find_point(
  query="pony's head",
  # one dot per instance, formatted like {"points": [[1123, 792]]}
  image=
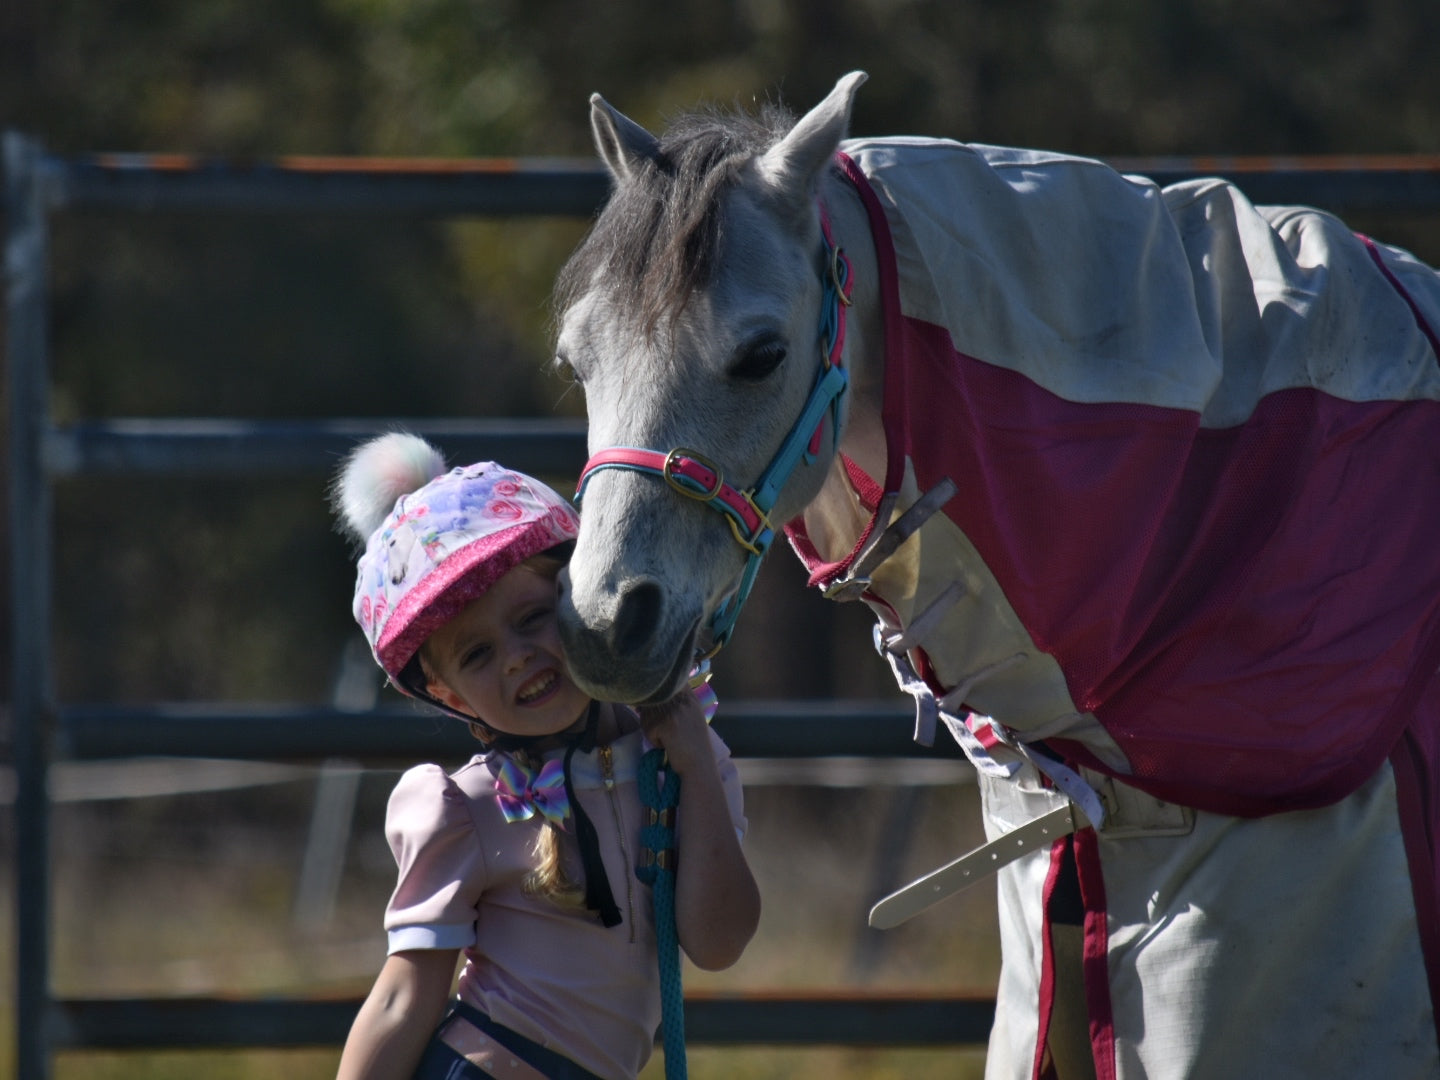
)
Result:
{"points": [[691, 315]]}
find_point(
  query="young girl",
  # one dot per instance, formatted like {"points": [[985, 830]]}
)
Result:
{"points": [[524, 859]]}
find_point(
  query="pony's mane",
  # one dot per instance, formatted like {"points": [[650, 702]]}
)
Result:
{"points": [[655, 241]]}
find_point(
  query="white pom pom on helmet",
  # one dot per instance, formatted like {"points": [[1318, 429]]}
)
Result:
{"points": [[379, 472], [435, 541]]}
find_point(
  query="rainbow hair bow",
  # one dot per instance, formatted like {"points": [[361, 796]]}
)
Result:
{"points": [[522, 793]]}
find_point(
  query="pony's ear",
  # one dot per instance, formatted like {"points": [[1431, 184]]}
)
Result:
{"points": [[794, 164], [622, 144]]}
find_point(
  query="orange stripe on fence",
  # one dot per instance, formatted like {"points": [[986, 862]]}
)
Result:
{"points": [[174, 163]]}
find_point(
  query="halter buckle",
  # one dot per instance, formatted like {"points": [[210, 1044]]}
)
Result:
{"points": [[749, 544], [668, 472], [836, 254], [849, 588]]}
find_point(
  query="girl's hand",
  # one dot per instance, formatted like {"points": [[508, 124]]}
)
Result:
{"points": [[678, 727]]}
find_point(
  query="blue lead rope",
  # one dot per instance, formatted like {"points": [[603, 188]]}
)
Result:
{"points": [[657, 869]]}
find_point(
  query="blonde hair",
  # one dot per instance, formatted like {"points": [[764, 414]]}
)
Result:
{"points": [[548, 880]]}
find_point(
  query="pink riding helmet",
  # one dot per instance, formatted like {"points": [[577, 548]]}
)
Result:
{"points": [[445, 539]]}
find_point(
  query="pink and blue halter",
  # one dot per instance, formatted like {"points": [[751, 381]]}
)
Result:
{"points": [[695, 476]]}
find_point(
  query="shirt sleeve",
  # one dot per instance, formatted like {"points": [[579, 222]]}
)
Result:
{"points": [[441, 864], [730, 781]]}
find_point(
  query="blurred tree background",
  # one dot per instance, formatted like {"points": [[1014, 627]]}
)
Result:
{"points": [[239, 590]]}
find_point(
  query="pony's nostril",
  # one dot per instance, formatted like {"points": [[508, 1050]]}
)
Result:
{"points": [[637, 618]]}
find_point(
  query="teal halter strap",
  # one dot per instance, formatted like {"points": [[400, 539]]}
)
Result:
{"points": [[657, 869]]}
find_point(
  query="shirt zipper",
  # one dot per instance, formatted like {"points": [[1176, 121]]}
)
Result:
{"points": [[607, 770]]}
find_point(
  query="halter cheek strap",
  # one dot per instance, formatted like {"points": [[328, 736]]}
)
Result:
{"points": [[696, 477]]}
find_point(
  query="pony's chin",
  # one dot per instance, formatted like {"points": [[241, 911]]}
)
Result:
{"points": [[679, 672]]}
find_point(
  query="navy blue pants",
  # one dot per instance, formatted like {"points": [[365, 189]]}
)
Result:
{"points": [[441, 1062]]}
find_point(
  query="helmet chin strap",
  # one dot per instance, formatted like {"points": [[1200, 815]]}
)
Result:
{"points": [[598, 896], [509, 743], [748, 512]]}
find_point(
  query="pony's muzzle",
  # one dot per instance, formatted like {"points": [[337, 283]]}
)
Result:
{"points": [[627, 649]]}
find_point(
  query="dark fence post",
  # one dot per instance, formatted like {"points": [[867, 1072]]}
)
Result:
{"points": [[27, 266]]}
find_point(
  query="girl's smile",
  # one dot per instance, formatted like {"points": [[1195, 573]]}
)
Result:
{"points": [[538, 687]]}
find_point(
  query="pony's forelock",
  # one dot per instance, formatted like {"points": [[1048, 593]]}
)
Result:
{"points": [[656, 241]]}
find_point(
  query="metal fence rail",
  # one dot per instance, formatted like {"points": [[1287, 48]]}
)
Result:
{"points": [[37, 186], [544, 447], [710, 1020], [775, 729], [549, 186], [506, 187]]}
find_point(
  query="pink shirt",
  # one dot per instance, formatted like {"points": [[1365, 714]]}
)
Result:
{"points": [[556, 976]]}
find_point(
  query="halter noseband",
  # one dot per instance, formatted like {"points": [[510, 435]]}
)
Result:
{"points": [[748, 512]]}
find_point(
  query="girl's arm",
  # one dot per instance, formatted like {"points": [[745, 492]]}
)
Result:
{"points": [[398, 1017], [717, 903]]}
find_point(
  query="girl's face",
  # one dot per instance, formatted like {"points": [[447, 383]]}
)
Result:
{"points": [[500, 659]]}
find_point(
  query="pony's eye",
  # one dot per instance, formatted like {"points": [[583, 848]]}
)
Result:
{"points": [[758, 359], [565, 369]]}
